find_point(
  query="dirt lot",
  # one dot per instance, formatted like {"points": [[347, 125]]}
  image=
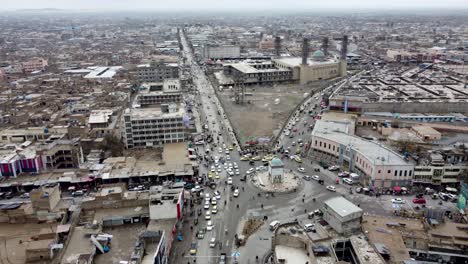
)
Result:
{"points": [[122, 243], [12, 251], [260, 116]]}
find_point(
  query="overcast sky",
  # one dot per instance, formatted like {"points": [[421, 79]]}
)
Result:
{"points": [[230, 4]]}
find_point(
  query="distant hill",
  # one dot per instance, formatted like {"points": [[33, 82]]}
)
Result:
{"points": [[40, 10]]}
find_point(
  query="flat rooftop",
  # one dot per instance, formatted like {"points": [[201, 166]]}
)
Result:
{"points": [[154, 112], [297, 61], [414, 85], [375, 152], [246, 67], [342, 206], [378, 232], [291, 255]]}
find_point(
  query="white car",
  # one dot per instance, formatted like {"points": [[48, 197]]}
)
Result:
{"points": [[250, 170], [230, 172], [229, 181], [237, 172], [213, 242], [207, 197], [196, 189], [331, 188], [208, 215], [207, 205], [309, 227], [236, 166], [214, 201], [301, 169], [220, 150], [228, 157], [315, 177], [398, 201], [217, 194], [236, 193], [348, 181], [209, 225]]}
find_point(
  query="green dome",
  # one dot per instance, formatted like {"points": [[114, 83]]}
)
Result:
{"points": [[275, 162], [318, 54]]}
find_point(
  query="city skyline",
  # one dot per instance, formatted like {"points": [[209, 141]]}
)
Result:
{"points": [[238, 5]]}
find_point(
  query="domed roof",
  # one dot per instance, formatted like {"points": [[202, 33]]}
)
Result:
{"points": [[318, 54], [275, 162]]}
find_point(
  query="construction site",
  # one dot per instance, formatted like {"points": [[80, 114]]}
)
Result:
{"points": [[259, 95]]}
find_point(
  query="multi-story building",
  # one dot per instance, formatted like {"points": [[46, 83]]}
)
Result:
{"points": [[60, 153], [157, 71], [221, 52], [375, 164], [287, 69], [151, 94], [152, 127], [35, 64], [254, 73]]}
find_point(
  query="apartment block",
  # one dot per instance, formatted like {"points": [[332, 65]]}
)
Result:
{"points": [[151, 127], [156, 93], [157, 71]]}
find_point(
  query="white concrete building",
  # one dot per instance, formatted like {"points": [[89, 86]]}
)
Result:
{"points": [[341, 214], [148, 127], [155, 93], [376, 164], [221, 52]]}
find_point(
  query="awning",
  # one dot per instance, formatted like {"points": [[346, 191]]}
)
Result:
{"points": [[63, 229], [397, 189]]}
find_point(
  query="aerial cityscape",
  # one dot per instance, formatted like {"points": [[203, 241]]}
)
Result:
{"points": [[272, 132]]}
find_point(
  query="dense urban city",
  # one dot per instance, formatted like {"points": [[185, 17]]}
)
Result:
{"points": [[174, 138]]}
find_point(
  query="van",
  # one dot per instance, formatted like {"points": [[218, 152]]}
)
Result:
{"points": [[274, 225]]}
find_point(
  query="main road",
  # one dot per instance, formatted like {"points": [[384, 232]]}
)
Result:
{"points": [[251, 202]]}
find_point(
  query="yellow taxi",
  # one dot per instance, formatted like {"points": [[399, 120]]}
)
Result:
{"points": [[298, 159]]}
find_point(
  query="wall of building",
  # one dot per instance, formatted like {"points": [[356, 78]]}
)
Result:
{"points": [[312, 73], [401, 107]]}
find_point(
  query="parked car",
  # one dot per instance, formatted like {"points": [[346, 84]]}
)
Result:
{"points": [[419, 201], [307, 177], [25, 195], [333, 168], [78, 193], [331, 188], [398, 201], [301, 169], [309, 227], [315, 177], [348, 181]]}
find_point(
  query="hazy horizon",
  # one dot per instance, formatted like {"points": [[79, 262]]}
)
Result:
{"points": [[213, 5]]}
